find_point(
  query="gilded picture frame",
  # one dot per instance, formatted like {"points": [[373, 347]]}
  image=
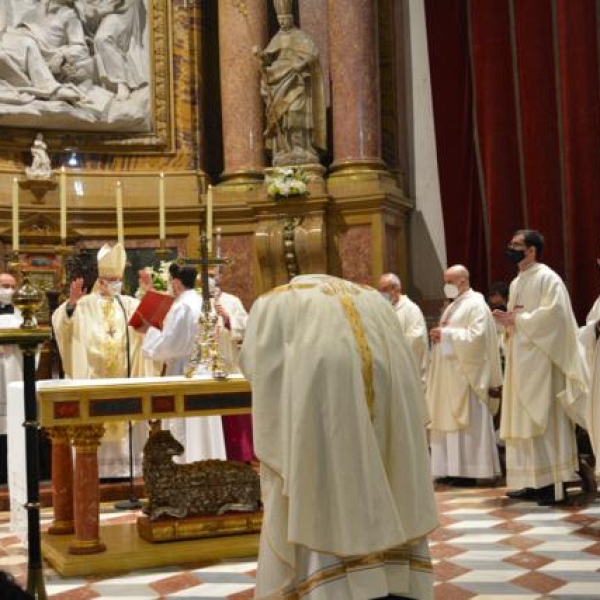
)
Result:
{"points": [[156, 135]]}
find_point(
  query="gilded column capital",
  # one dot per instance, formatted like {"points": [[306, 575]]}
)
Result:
{"points": [[86, 438], [58, 434]]}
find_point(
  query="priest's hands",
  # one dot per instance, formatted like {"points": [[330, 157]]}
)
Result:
{"points": [[75, 291], [145, 280], [505, 318], [436, 335], [223, 314]]}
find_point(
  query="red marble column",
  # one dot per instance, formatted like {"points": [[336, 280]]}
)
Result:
{"points": [[354, 65], [86, 440], [62, 482], [242, 25]]}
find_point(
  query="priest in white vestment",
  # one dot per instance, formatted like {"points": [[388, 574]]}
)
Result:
{"points": [[338, 413], [546, 379], [589, 335], [95, 341], [465, 366], [11, 361], [202, 437], [231, 328], [410, 317]]}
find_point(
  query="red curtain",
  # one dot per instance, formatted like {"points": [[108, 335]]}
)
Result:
{"points": [[516, 103]]}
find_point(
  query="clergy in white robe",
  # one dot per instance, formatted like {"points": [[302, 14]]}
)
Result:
{"points": [[589, 335], [546, 379], [464, 367], [202, 437], [410, 317], [95, 341], [338, 424], [11, 360]]}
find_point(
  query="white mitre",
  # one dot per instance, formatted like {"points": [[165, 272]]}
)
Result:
{"points": [[111, 260]]}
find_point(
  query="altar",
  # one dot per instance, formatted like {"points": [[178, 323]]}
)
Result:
{"points": [[74, 413]]}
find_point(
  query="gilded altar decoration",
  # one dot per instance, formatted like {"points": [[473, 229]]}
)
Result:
{"points": [[205, 487], [287, 182]]}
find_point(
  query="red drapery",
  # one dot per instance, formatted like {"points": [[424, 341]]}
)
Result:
{"points": [[517, 113]]}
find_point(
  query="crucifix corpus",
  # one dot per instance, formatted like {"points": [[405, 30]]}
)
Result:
{"points": [[206, 350]]}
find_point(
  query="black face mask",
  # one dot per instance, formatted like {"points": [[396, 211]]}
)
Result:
{"points": [[515, 256]]}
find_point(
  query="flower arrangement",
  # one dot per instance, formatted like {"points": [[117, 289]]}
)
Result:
{"points": [[160, 278], [286, 182]]}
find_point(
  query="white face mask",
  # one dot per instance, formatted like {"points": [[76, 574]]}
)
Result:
{"points": [[6, 295], [450, 290], [115, 287], [386, 296]]}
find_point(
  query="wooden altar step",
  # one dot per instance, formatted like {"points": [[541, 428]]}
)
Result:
{"points": [[127, 551]]}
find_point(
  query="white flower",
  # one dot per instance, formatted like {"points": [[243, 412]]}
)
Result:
{"points": [[286, 182]]}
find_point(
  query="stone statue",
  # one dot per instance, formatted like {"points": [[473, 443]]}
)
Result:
{"points": [[40, 165], [292, 88]]}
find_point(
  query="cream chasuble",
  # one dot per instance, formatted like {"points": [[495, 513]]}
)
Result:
{"points": [[545, 382], [464, 365], [414, 327], [345, 473], [591, 344], [93, 344]]}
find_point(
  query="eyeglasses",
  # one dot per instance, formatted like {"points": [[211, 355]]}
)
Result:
{"points": [[517, 246]]}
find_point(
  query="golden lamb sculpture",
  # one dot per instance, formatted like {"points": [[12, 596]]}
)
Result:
{"points": [[205, 487]]}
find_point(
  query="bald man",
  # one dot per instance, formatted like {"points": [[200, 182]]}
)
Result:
{"points": [[410, 317], [464, 367]]}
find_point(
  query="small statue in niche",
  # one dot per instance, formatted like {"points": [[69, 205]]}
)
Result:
{"points": [[292, 89], [40, 166]]}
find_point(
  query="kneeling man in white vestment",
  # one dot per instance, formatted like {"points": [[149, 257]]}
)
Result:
{"points": [[338, 414]]}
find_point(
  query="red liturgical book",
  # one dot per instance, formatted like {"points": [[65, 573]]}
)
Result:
{"points": [[152, 309]]}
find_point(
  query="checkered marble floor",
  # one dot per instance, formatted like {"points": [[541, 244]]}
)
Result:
{"points": [[487, 547]]}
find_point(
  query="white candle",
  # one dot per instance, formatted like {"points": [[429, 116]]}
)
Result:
{"points": [[15, 214], [209, 218], [119, 196], [162, 230], [63, 206]]}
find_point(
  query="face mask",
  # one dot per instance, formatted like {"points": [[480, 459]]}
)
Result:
{"points": [[386, 296], [450, 290], [6, 295], [212, 282], [115, 287], [515, 256]]}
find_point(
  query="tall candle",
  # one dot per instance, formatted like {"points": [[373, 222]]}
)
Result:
{"points": [[63, 206], [119, 196], [209, 218], [15, 214], [162, 230]]}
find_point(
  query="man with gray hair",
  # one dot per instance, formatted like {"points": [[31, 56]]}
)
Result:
{"points": [[463, 379], [410, 317]]}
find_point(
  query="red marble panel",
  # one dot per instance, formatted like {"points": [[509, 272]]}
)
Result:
{"points": [[238, 277], [356, 254], [163, 404], [66, 410]]}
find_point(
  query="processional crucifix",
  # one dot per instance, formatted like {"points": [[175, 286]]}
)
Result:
{"points": [[206, 347]]}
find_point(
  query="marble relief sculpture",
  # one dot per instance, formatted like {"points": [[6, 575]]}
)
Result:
{"points": [[292, 89], [78, 64]]}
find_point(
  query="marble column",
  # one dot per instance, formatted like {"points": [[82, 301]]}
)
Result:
{"points": [[242, 25], [354, 65], [86, 440], [62, 481]]}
